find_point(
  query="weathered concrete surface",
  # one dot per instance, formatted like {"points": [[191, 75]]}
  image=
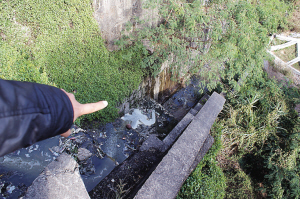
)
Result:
{"points": [[113, 15], [204, 149], [184, 122], [169, 175], [59, 180], [179, 128], [193, 112], [152, 143]]}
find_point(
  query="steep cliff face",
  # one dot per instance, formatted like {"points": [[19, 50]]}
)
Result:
{"points": [[112, 16]]}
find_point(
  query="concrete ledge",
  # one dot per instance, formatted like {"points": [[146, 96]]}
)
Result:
{"points": [[179, 128], [198, 107], [206, 146], [169, 175], [193, 112]]}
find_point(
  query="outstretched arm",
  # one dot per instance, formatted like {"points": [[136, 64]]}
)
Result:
{"points": [[31, 112]]}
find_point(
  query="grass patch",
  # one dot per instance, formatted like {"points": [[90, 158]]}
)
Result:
{"points": [[59, 43], [287, 54], [239, 184], [297, 65]]}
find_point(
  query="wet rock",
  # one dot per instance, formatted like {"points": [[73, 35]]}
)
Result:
{"points": [[1, 186], [128, 126], [110, 147], [6, 189], [87, 167], [83, 154], [60, 179], [152, 143]]}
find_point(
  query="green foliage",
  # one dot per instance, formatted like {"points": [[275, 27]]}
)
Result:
{"points": [[242, 47], [207, 180], [267, 127], [237, 33], [59, 43], [225, 39], [252, 113], [281, 154]]}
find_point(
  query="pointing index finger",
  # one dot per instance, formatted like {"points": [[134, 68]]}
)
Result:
{"points": [[93, 107]]}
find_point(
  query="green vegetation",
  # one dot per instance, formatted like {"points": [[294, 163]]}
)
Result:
{"points": [[237, 33], [266, 133], [258, 154], [59, 43], [225, 39]]}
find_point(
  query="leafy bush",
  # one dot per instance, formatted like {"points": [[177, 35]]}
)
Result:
{"points": [[266, 131], [252, 113], [224, 39], [281, 154], [237, 33]]}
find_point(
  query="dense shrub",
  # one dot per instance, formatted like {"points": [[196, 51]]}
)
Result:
{"points": [[266, 131], [238, 34], [222, 39]]}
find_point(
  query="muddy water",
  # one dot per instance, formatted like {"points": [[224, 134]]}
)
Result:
{"points": [[20, 168]]}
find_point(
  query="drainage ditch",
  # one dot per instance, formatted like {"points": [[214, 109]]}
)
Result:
{"points": [[111, 163]]}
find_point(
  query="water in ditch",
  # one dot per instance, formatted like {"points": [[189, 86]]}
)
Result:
{"points": [[98, 151], [103, 148]]}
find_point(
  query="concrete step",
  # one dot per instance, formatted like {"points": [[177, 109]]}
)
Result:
{"points": [[168, 177], [184, 122]]}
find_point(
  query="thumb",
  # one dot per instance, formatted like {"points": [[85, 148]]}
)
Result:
{"points": [[66, 134], [92, 107]]}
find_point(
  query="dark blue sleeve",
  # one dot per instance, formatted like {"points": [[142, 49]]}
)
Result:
{"points": [[30, 112]]}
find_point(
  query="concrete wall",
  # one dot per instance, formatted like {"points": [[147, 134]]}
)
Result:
{"points": [[112, 16]]}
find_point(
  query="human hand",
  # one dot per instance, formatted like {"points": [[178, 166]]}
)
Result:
{"points": [[83, 109]]}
